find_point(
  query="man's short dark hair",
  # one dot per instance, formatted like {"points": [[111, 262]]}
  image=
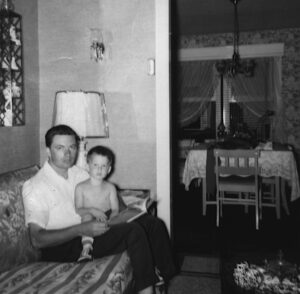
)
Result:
{"points": [[59, 130], [101, 150]]}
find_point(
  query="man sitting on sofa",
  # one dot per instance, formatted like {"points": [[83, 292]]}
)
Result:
{"points": [[56, 228]]}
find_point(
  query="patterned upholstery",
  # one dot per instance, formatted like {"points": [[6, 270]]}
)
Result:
{"points": [[109, 275], [20, 270], [14, 241]]}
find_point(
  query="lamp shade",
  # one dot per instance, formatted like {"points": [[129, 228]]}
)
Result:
{"points": [[85, 112]]}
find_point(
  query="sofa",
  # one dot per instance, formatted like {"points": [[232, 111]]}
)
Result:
{"points": [[21, 270]]}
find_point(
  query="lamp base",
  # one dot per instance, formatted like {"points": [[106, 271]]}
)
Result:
{"points": [[81, 157]]}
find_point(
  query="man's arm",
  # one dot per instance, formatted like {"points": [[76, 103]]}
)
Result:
{"points": [[44, 238]]}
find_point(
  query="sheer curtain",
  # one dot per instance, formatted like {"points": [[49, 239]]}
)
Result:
{"points": [[261, 94], [196, 85], [253, 92], [276, 79]]}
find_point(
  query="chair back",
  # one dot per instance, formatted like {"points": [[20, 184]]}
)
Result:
{"points": [[237, 179], [237, 162]]}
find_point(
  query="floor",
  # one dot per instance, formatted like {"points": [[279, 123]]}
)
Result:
{"points": [[196, 234], [192, 284]]}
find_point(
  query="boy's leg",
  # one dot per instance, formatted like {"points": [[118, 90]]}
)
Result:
{"points": [[86, 253], [130, 237], [87, 243]]}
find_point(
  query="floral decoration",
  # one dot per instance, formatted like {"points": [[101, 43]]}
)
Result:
{"points": [[274, 277]]}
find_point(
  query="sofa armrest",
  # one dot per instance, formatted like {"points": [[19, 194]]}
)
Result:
{"points": [[14, 238]]}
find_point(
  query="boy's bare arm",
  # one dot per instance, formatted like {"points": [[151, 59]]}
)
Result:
{"points": [[114, 201], [84, 212]]}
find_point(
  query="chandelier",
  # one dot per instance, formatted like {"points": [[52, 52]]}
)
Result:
{"points": [[236, 65]]}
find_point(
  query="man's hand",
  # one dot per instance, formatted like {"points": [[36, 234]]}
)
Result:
{"points": [[94, 228]]}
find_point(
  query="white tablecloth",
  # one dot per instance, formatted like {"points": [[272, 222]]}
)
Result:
{"points": [[272, 163]]}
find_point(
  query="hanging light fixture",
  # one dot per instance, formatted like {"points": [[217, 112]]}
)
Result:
{"points": [[231, 68], [236, 65]]}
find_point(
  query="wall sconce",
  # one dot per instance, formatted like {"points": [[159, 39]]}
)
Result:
{"points": [[97, 47], [85, 112]]}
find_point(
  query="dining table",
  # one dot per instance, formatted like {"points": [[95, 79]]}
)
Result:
{"points": [[199, 164]]}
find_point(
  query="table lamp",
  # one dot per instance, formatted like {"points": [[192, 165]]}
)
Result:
{"points": [[85, 112]]}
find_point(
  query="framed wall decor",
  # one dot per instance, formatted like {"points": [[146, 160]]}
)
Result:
{"points": [[12, 106]]}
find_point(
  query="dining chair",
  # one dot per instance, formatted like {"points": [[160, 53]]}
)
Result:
{"points": [[237, 181], [273, 195], [270, 194], [209, 184]]}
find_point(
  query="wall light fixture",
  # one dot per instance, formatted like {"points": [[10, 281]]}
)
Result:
{"points": [[97, 48]]}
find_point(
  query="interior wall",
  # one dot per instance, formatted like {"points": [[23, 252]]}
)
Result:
{"points": [[19, 146], [65, 64]]}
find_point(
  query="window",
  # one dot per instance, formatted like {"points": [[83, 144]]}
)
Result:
{"points": [[249, 103]]}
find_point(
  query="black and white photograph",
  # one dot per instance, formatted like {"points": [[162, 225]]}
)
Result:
{"points": [[149, 146]]}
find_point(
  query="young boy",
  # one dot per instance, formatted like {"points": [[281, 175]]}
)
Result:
{"points": [[96, 198]]}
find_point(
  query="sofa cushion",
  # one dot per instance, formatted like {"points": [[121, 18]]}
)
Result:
{"points": [[14, 240], [109, 275]]}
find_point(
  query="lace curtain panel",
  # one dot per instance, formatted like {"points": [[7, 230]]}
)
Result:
{"points": [[196, 84], [260, 95]]}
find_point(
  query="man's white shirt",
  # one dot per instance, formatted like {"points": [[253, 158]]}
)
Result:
{"points": [[49, 198]]}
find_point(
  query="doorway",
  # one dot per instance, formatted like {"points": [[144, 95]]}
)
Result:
{"points": [[193, 232]]}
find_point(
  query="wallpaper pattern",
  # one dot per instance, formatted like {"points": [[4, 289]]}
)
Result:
{"points": [[290, 68]]}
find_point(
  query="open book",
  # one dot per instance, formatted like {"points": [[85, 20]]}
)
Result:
{"points": [[134, 209]]}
